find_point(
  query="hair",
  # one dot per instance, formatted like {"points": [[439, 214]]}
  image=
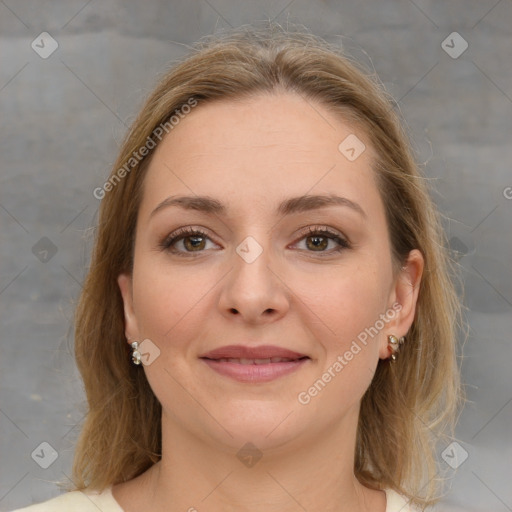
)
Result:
{"points": [[409, 406]]}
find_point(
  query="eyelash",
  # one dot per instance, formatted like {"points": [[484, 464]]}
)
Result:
{"points": [[182, 233]]}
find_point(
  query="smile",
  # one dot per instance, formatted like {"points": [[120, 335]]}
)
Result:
{"points": [[255, 370], [254, 361]]}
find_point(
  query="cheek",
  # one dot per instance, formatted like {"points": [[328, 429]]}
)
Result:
{"points": [[168, 301], [170, 309], [353, 311], [350, 302]]}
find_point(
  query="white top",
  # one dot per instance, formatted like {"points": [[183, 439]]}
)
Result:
{"points": [[90, 501]]}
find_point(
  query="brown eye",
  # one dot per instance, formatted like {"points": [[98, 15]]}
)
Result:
{"points": [[186, 241], [318, 240], [193, 243], [317, 243]]}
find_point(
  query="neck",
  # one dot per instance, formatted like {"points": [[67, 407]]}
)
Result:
{"points": [[311, 475]]}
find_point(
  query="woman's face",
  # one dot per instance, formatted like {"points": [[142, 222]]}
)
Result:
{"points": [[267, 268]]}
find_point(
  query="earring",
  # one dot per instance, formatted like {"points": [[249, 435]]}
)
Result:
{"points": [[135, 353], [394, 344]]}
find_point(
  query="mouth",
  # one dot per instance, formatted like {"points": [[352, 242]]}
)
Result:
{"points": [[245, 352], [254, 364], [255, 361]]}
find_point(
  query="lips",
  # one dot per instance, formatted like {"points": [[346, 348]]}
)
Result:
{"points": [[254, 361], [254, 364], [260, 355]]}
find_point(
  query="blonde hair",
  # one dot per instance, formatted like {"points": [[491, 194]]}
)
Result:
{"points": [[409, 405]]}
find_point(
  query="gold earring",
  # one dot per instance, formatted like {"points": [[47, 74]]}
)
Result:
{"points": [[394, 344]]}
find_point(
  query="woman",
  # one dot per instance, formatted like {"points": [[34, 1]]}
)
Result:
{"points": [[269, 320]]}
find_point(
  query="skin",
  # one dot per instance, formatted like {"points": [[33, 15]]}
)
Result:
{"points": [[250, 155]]}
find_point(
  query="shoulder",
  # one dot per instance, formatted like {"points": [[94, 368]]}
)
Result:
{"points": [[398, 503], [77, 501]]}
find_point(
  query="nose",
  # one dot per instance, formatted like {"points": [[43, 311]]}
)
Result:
{"points": [[253, 290]]}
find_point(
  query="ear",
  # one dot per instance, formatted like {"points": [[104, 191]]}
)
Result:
{"points": [[403, 299], [130, 321]]}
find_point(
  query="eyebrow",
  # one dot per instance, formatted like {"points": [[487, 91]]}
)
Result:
{"points": [[292, 205]]}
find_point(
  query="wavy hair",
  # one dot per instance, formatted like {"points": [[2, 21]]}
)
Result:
{"points": [[410, 406]]}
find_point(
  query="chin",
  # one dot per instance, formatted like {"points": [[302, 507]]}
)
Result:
{"points": [[265, 424]]}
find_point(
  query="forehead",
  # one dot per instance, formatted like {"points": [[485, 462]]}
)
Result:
{"points": [[265, 147]]}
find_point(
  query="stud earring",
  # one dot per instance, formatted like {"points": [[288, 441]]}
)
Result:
{"points": [[136, 353], [394, 345]]}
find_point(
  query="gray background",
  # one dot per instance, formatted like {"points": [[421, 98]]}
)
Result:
{"points": [[61, 122]]}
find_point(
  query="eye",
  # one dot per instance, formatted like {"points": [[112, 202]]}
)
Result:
{"points": [[194, 240], [191, 240], [317, 239]]}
